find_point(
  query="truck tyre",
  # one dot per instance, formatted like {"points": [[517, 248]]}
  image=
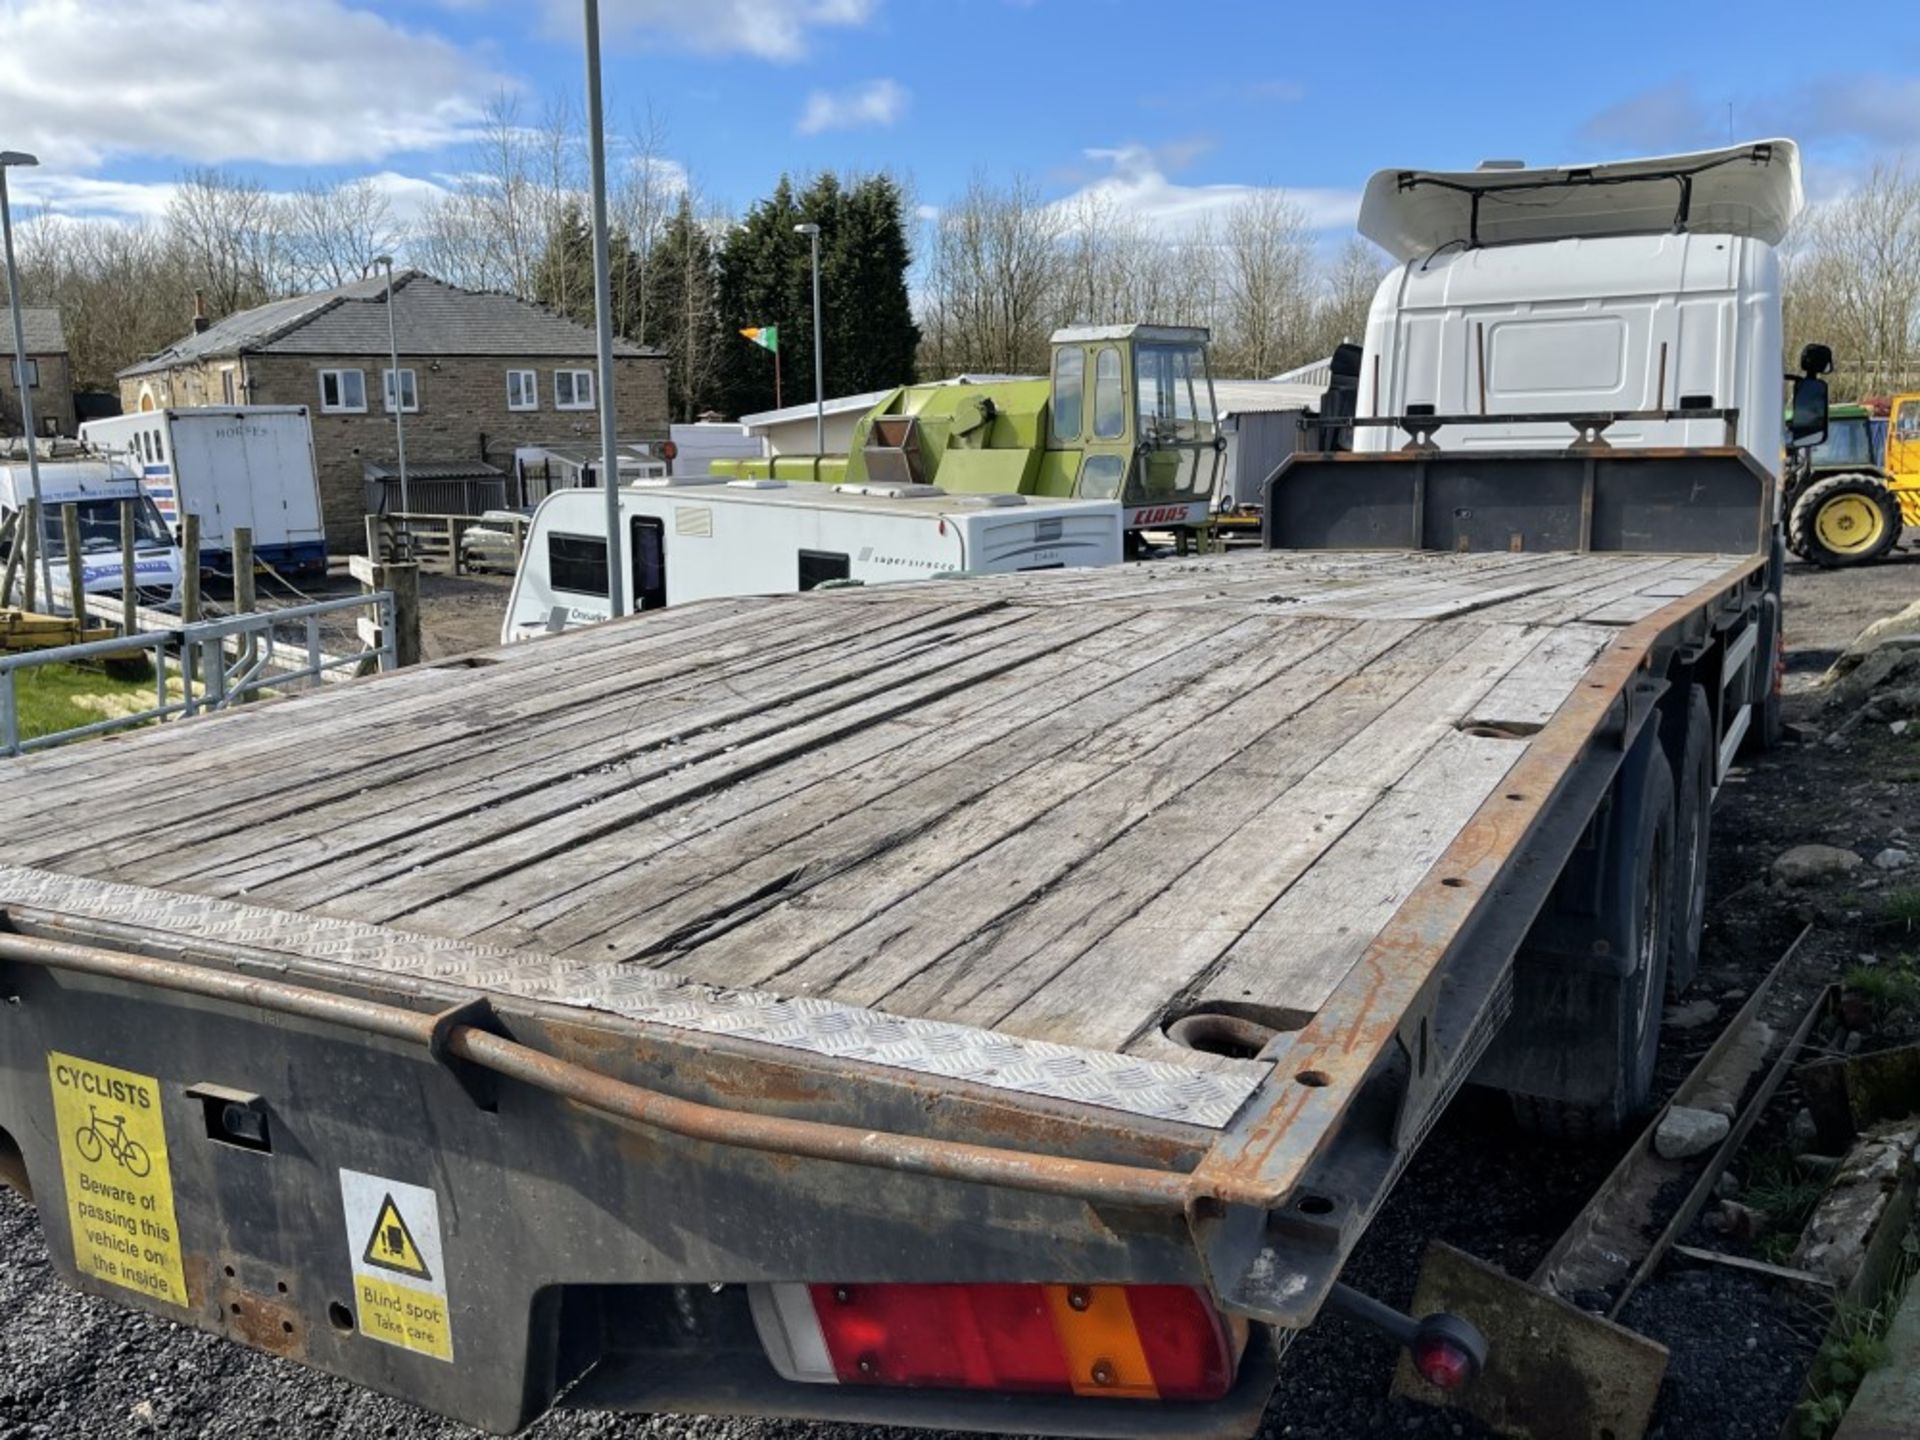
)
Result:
{"points": [[1615, 1017], [1844, 520], [1692, 825]]}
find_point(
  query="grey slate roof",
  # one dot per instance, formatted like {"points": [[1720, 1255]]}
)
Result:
{"points": [[45, 334], [430, 316]]}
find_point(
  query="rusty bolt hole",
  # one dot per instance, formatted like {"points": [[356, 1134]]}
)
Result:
{"points": [[1313, 1079], [227, 1270], [1453, 882], [1313, 1205], [340, 1317]]}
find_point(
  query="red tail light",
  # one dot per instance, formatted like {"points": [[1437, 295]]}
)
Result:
{"points": [[1442, 1364], [1134, 1342]]}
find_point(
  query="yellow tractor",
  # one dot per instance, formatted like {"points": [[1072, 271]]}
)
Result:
{"points": [[1845, 504]]}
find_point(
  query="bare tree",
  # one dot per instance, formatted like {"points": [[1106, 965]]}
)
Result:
{"points": [[991, 287], [1267, 264], [229, 231], [1853, 282], [334, 230], [1347, 287]]}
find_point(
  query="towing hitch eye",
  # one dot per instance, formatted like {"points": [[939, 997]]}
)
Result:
{"points": [[1447, 1350]]}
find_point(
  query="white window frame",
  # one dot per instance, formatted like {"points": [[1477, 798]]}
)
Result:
{"points": [[409, 382], [577, 378], [529, 389], [340, 390], [229, 386]]}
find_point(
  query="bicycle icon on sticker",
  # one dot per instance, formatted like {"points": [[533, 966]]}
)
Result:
{"points": [[97, 1138]]}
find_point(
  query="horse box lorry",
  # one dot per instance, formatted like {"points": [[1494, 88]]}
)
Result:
{"points": [[994, 1003], [697, 537], [245, 466]]}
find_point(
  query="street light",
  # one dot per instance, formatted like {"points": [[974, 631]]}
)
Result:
{"points": [[9, 159], [404, 535], [812, 232], [603, 309]]}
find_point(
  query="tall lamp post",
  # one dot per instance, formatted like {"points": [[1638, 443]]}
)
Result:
{"points": [[8, 160], [812, 232], [603, 311], [404, 535]]}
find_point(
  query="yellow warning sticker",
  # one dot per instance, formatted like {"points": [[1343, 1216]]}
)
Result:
{"points": [[399, 1270], [113, 1158]]}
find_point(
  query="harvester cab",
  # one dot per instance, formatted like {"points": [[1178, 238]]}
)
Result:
{"points": [[1126, 412]]}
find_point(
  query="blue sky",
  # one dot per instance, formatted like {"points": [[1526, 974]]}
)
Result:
{"points": [[1169, 109]]}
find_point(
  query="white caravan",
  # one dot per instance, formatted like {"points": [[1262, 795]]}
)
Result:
{"points": [[1637, 286], [248, 466], [96, 488], [697, 537]]}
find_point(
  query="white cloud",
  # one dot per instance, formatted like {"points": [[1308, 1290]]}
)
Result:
{"points": [[1137, 184], [770, 29], [319, 83], [874, 103], [73, 197]]}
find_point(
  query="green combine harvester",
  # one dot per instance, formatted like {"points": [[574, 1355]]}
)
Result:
{"points": [[1127, 413]]}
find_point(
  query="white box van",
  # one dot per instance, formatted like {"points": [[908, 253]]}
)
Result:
{"points": [[97, 487], [234, 466], [698, 537]]}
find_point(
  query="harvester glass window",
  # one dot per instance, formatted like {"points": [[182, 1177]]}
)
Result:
{"points": [[1109, 403], [1849, 442], [1176, 403], [1069, 388], [1100, 477]]}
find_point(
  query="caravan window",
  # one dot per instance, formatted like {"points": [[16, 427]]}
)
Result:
{"points": [[819, 566], [577, 564]]}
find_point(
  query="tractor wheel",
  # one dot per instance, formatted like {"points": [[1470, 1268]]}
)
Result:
{"points": [[1844, 520]]}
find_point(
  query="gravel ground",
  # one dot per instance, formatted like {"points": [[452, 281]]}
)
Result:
{"points": [[71, 1366]]}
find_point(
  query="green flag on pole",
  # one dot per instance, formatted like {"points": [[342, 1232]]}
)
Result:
{"points": [[767, 337]]}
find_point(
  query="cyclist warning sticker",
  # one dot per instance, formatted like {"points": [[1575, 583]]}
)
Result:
{"points": [[399, 1274], [113, 1157]]}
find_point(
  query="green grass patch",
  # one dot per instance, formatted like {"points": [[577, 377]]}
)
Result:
{"points": [[1901, 906], [1785, 1191], [59, 697], [1855, 1344], [1893, 986]]}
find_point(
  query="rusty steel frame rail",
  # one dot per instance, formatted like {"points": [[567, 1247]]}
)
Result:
{"points": [[1324, 1066], [451, 1033]]}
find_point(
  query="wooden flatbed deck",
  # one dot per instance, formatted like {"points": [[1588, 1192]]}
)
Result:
{"points": [[1067, 807]]}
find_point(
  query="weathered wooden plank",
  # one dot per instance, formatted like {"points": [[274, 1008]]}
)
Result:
{"points": [[1141, 921], [884, 944], [697, 883], [1290, 959]]}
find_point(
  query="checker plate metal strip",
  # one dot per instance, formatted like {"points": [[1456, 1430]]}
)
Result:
{"points": [[1155, 1089]]}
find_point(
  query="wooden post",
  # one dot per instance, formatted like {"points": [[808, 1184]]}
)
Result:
{"points": [[76, 564], [189, 567], [403, 579], [129, 586], [243, 596], [13, 536], [30, 554]]}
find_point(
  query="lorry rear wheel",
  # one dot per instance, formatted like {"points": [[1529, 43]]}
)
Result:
{"points": [[1692, 824], [1844, 520], [1594, 1015]]}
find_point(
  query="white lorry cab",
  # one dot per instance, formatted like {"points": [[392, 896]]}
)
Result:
{"points": [[1640, 286], [234, 466], [699, 537], [96, 488]]}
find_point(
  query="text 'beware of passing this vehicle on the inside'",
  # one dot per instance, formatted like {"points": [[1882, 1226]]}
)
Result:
{"points": [[994, 1003]]}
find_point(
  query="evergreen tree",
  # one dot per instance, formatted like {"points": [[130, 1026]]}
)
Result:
{"points": [[563, 276], [765, 278], [683, 311]]}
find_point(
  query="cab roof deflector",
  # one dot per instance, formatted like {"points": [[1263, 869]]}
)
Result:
{"points": [[1751, 189]]}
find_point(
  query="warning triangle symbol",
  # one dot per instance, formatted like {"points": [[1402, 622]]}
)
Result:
{"points": [[391, 1245]]}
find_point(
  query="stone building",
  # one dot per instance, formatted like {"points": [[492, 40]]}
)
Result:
{"points": [[481, 375], [49, 373]]}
